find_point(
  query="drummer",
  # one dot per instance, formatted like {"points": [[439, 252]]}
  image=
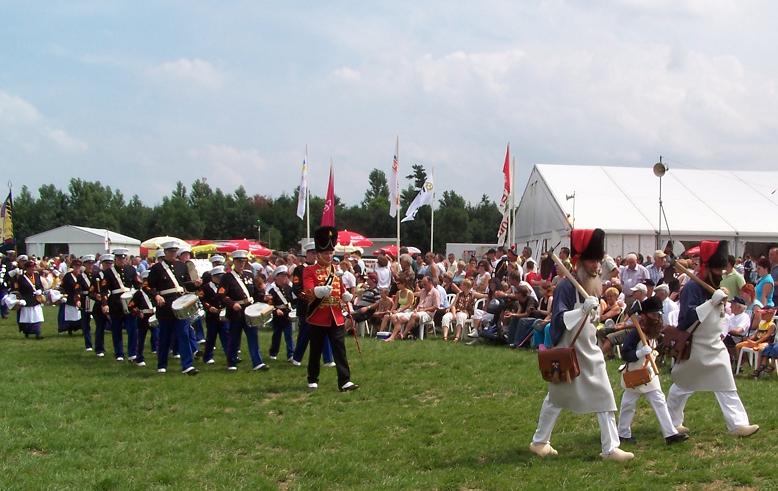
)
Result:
{"points": [[85, 280], [119, 279], [196, 334], [142, 308], [237, 292], [72, 288], [212, 303], [99, 312], [30, 290], [165, 288]]}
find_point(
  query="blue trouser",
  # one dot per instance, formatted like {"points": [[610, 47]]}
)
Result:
{"points": [[61, 325], [192, 337], [130, 323], [303, 336], [102, 322], [252, 338], [198, 329], [214, 328], [3, 308], [543, 337], [143, 329], [168, 328], [86, 328], [282, 325]]}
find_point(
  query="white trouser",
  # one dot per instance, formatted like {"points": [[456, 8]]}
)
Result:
{"points": [[629, 402], [448, 317], [549, 412], [729, 401]]}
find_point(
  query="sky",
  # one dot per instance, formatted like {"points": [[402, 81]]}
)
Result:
{"points": [[139, 95]]}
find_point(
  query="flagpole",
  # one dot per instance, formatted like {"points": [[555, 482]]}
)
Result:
{"points": [[397, 192], [307, 196], [511, 237], [432, 213]]}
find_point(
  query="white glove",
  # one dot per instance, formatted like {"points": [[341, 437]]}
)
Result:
{"points": [[22, 303], [718, 297], [590, 304], [37, 292], [643, 351], [347, 297], [322, 291], [14, 272]]}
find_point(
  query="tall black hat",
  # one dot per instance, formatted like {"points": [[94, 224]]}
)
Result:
{"points": [[587, 244], [325, 238]]}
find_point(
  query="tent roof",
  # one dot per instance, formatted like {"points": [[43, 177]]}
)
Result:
{"points": [[696, 202], [75, 234]]}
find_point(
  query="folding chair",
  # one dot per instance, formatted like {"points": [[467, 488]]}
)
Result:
{"points": [[479, 304]]}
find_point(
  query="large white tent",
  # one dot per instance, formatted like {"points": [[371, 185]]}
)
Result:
{"points": [[71, 239], [736, 205]]}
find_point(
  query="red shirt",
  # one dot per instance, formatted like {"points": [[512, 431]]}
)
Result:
{"points": [[329, 310], [532, 276]]}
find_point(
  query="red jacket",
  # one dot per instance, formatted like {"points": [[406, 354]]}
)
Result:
{"points": [[329, 309]]}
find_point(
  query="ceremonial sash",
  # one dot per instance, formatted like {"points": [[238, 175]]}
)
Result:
{"points": [[176, 287], [242, 286]]}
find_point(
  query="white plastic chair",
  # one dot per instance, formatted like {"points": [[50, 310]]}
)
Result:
{"points": [[753, 358], [468, 325]]}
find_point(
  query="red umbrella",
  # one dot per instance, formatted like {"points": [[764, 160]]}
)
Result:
{"points": [[353, 238], [392, 250], [692, 251], [253, 247]]}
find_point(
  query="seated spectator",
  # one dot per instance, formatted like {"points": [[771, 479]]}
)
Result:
{"points": [[748, 293], [767, 359], [610, 308], [402, 302], [530, 275], [460, 274], [522, 318], [611, 336], [764, 335], [461, 310], [736, 326], [366, 304], [384, 309], [483, 277], [348, 278], [429, 300]]}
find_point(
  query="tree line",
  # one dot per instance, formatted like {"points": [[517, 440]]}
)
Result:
{"points": [[202, 212]]}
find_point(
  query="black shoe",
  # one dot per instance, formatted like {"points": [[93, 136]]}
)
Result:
{"points": [[38, 336], [631, 440], [349, 386], [677, 438], [191, 371]]}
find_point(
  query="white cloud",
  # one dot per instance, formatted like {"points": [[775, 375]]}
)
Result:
{"points": [[190, 71], [228, 166], [25, 126], [347, 74]]}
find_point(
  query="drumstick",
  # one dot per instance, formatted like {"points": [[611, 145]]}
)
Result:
{"points": [[643, 338], [683, 269]]}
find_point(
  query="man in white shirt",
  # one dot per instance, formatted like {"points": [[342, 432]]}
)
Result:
{"points": [[662, 292], [735, 326]]}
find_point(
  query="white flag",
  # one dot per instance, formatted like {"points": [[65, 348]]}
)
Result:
{"points": [[394, 183], [425, 197], [107, 242], [303, 194]]}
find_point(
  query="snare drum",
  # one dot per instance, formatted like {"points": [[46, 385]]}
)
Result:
{"points": [[257, 314], [185, 306], [125, 298]]}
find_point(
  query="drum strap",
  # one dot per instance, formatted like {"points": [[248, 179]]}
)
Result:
{"points": [[242, 285], [146, 299], [32, 283], [281, 295], [176, 287], [213, 287], [118, 277]]}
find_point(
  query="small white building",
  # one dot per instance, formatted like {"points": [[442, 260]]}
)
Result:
{"points": [[735, 205], [71, 239]]}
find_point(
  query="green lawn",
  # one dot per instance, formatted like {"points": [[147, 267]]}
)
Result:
{"points": [[429, 415]]}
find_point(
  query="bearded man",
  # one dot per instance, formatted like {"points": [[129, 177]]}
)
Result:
{"points": [[707, 368], [591, 391]]}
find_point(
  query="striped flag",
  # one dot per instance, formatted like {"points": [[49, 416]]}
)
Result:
{"points": [[506, 195]]}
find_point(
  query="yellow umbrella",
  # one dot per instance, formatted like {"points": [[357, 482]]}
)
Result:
{"points": [[156, 242], [204, 249]]}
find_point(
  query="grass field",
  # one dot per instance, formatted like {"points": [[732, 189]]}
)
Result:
{"points": [[429, 415]]}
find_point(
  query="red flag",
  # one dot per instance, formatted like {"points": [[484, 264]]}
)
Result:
{"points": [[506, 195], [328, 214]]}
